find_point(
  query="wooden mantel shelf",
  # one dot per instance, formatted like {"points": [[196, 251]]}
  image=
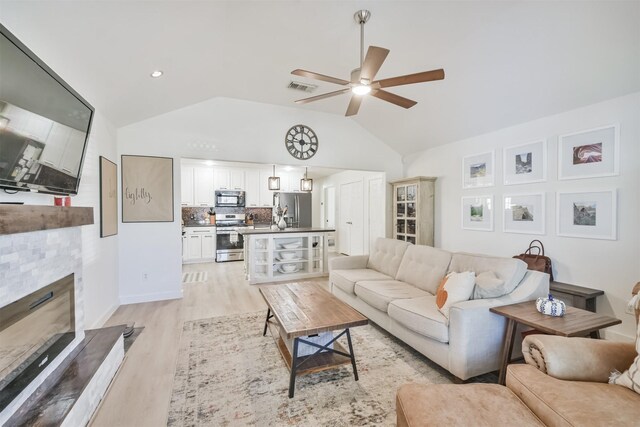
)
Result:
{"points": [[24, 218]]}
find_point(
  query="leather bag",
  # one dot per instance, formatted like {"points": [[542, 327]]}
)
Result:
{"points": [[535, 258]]}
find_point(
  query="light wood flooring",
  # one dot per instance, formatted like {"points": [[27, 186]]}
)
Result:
{"points": [[141, 391]]}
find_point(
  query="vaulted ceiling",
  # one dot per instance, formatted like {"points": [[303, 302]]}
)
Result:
{"points": [[505, 62]]}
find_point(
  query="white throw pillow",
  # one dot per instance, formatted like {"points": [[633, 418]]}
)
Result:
{"points": [[454, 288], [631, 377], [489, 285]]}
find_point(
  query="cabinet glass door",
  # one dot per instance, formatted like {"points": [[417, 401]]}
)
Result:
{"points": [[400, 194], [411, 226], [400, 226], [412, 191]]}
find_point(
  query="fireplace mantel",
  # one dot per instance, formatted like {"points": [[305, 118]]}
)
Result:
{"points": [[24, 218]]}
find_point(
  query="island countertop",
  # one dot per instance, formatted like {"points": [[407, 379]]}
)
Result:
{"points": [[287, 230]]}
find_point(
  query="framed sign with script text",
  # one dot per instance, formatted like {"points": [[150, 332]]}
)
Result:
{"points": [[147, 189]]}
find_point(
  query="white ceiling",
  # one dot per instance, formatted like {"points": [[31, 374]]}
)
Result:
{"points": [[505, 62]]}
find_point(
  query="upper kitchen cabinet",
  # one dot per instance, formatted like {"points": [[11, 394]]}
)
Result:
{"points": [[204, 188], [252, 188], [266, 195], [186, 186], [229, 179]]}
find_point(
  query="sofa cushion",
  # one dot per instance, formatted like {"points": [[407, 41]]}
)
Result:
{"points": [[380, 293], [346, 279], [478, 405], [510, 270], [387, 255], [631, 377], [488, 285], [573, 403], [424, 267], [421, 316], [454, 288]]}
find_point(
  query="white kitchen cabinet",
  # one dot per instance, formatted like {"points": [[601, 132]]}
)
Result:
{"points": [[204, 190], [184, 247], [187, 186], [229, 178], [266, 195], [252, 188], [200, 244], [222, 178], [236, 179], [55, 145]]}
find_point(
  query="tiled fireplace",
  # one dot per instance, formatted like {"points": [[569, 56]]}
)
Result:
{"points": [[30, 262]]}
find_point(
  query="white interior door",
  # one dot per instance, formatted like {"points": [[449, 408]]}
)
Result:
{"points": [[357, 219], [330, 207], [376, 211], [344, 219]]}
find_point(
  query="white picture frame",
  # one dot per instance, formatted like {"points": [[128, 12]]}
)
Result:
{"points": [[525, 163], [477, 213], [524, 213], [588, 215], [478, 170], [589, 153]]}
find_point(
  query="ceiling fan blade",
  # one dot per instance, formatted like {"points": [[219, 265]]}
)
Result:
{"points": [[323, 96], [425, 76], [312, 75], [354, 105], [393, 98], [372, 62]]}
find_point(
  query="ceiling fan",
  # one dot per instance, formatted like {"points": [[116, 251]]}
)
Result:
{"points": [[362, 79]]}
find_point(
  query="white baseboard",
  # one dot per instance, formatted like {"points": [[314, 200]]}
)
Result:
{"points": [[160, 296], [99, 323]]}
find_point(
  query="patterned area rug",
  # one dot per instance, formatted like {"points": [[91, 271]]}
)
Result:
{"points": [[194, 277], [228, 374]]}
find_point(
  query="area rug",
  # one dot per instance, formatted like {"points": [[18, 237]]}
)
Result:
{"points": [[228, 374], [194, 277]]}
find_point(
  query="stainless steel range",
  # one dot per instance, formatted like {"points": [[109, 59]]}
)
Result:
{"points": [[229, 243]]}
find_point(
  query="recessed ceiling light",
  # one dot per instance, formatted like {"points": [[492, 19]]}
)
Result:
{"points": [[156, 74]]}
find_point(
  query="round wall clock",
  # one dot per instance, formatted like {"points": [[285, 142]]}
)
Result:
{"points": [[301, 142]]}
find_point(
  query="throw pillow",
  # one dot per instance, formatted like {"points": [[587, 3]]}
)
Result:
{"points": [[489, 285], [454, 288], [631, 377]]}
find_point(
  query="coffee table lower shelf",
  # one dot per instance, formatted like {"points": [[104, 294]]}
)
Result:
{"points": [[315, 362]]}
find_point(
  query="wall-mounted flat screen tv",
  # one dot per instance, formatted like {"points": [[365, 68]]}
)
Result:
{"points": [[44, 124]]}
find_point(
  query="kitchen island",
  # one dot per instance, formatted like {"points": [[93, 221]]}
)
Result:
{"points": [[282, 255]]}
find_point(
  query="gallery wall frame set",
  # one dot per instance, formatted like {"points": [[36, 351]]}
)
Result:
{"points": [[477, 213], [589, 153], [108, 198], [525, 163], [589, 215], [478, 170], [147, 189], [524, 213]]}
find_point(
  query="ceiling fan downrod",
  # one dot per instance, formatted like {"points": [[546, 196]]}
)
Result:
{"points": [[361, 17]]}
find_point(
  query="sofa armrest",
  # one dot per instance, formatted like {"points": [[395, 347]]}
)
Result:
{"points": [[348, 262], [577, 359], [476, 334]]}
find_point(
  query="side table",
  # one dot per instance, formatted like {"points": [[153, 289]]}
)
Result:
{"points": [[575, 323], [576, 296]]}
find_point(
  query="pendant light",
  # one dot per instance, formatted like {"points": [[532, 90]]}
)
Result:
{"points": [[306, 184], [274, 181]]}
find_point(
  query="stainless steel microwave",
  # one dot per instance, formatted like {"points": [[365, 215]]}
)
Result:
{"points": [[229, 198]]}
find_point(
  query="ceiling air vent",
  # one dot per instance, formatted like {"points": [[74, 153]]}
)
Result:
{"points": [[304, 87]]}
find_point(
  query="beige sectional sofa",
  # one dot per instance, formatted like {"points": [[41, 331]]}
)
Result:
{"points": [[395, 287]]}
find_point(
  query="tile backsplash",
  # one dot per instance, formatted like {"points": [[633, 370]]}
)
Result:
{"points": [[260, 215]]}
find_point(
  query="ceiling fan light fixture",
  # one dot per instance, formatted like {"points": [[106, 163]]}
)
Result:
{"points": [[361, 89]]}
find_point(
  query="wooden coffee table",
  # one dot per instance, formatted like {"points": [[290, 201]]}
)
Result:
{"points": [[302, 309], [575, 323]]}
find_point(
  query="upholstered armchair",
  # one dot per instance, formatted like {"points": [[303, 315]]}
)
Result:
{"points": [[565, 381]]}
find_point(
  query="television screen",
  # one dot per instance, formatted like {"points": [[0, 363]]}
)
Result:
{"points": [[44, 124]]}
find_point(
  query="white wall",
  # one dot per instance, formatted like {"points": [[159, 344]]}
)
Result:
{"points": [[608, 265], [371, 231], [99, 255], [231, 130]]}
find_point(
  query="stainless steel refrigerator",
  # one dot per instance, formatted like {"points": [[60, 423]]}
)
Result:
{"points": [[299, 208]]}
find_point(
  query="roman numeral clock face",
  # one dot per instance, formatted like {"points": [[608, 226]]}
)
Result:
{"points": [[301, 142]]}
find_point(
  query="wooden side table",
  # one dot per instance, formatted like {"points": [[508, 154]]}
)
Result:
{"points": [[575, 323], [576, 296]]}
